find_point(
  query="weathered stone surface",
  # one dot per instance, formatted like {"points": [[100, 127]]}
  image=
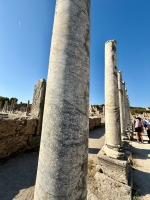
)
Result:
{"points": [[94, 122], [38, 103], [12, 145], [121, 102], [17, 127], [116, 169], [62, 166], [14, 134], [91, 196], [111, 189], [112, 114]]}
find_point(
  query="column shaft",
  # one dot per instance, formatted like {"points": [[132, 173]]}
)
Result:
{"points": [[62, 165]]}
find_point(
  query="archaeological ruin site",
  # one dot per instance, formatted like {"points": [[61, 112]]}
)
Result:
{"points": [[63, 129]]}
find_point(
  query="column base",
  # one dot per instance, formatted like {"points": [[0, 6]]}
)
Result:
{"points": [[117, 153], [114, 178]]}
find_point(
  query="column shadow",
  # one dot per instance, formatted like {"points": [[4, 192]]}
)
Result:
{"points": [[97, 133], [94, 150], [17, 173], [141, 182]]}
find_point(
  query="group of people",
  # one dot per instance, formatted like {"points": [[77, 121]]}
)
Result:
{"points": [[140, 125]]}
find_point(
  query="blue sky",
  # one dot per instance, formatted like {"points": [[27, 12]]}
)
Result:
{"points": [[25, 37]]}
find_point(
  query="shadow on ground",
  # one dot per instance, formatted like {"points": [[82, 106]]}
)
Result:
{"points": [[141, 178], [136, 153], [94, 150], [97, 133], [17, 173]]}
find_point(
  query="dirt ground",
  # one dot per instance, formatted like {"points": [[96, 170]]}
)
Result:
{"points": [[141, 168], [17, 174]]}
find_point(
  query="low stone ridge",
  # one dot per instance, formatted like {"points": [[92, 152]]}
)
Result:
{"points": [[19, 133], [15, 133]]}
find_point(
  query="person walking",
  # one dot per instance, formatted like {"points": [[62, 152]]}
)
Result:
{"points": [[138, 129], [144, 121], [148, 130]]}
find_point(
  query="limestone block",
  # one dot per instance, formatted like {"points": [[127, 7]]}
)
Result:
{"points": [[94, 122], [91, 196], [111, 189], [17, 127], [117, 169], [14, 134], [12, 144], [38, 103]]}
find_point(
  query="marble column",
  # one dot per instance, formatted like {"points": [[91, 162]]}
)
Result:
{"points": [[112, 114], [6, 106], [124, 109], [120, 89], [27, 109], [113, 170], [103, 110], [0, 105], [128, 109], [14, 105], [11, 106], [62, 165]]}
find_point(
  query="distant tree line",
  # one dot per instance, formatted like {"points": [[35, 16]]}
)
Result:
{"points": [[138, 110], [3, 99]]}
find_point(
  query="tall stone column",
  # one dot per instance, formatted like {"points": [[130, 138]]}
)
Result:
{"points": [[128, 108], [112, 169], [124, 109], [120, 89], [112, 114], [6, 106], [38, 103], [12, 101], [103, 110], [62, 165], [27, 109], [14, 104], [0, 105]]}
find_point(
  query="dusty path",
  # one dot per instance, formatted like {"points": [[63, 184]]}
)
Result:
{"points": [[17, 175], [141, 167]]}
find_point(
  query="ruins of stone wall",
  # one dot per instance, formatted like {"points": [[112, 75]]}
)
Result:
{"points": [[17, 135], [38, 103], [95, 110], [94, 122]]}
